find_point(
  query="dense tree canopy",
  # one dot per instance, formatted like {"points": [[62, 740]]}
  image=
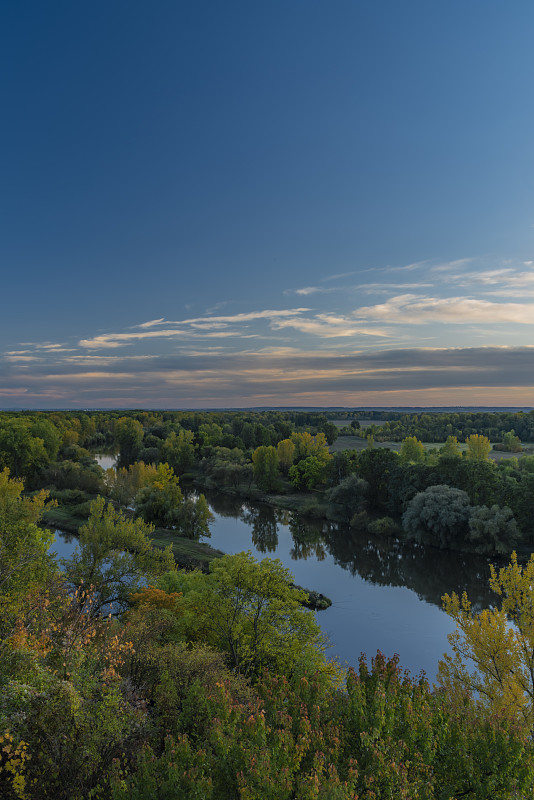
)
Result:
{"points": [[216, 685]]}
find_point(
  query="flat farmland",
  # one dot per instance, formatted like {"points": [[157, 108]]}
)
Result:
{"points": [[355, 443]]}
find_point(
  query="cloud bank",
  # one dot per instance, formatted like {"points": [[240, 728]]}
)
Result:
{"points": [[351, 353], [389, 377]]}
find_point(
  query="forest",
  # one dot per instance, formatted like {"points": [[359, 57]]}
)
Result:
{"points": [[449, 494], [146, 666]]}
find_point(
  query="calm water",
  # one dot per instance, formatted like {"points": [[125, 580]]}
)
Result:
{"points": [[384, 595], [106, 461]]}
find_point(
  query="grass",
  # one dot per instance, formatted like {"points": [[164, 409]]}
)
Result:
{"points": [[354, 443], [64, 518], [187, 552]]}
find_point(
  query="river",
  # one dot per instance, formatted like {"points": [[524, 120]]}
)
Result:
{"points": [[385, 595]]}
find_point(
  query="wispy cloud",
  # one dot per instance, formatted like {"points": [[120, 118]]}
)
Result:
{"points": [[511, 281], [338, 276], [388, 287], [414, 310], [150, 323], [196, 327], [306, 290], [328, 326], [447, 266], [248, 316], [408, 267]]}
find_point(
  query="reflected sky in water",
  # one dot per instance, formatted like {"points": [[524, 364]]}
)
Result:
{"points": [[384, 595]]}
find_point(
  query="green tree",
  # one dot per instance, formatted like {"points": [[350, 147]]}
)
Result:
{"points": [[510, 443], [376, 466], [265, 464], [159, 501], [178, 450], [115, 556], [252, 611], [438, 516], [492, 530], [25, 562], [162, 503], [227, 466], [45, 430], [195, 517], [350, 495], [309, 472], [451, 448], [23, 454], [128, 434], [210, 434], [343, 464]]}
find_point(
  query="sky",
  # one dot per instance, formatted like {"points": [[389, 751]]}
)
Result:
{"points": [[280, 203]]}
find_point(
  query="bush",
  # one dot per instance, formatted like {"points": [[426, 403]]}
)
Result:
{"points": [[384, 526], [360, 521]]}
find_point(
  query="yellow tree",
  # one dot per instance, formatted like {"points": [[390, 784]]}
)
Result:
{"points": [[412, 451], [286, 454], [450, 449], [493, 649], [478, 447], [124, 484], [308, 445]]}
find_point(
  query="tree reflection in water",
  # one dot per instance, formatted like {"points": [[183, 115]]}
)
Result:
{"points": [[426, 570], [384, 561], [307, 539], [263, 523]]}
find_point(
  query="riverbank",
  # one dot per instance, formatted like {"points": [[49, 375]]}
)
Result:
{"points": [[311, 503], [188, 554]]}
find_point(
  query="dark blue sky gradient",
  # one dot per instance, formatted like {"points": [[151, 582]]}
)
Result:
{"points": [[166, 160]]}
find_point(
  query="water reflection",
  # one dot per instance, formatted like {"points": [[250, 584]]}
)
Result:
{"points": [[64, 544], [308, 539], [263, 524], [386, 595], [106, 460], [427, 571], [383, 561]]}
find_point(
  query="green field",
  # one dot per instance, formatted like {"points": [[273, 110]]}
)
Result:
{"points": [[355, 443]]}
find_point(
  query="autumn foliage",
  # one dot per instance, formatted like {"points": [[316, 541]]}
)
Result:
{"points": [[216, 686]]}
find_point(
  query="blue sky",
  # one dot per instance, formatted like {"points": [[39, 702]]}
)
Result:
{"points": [[248, 203]]}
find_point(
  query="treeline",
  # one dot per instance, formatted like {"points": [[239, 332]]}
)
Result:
{"points": [[122, 677], [437, 427], [31, 441], [443, 497], [286, 454]]}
